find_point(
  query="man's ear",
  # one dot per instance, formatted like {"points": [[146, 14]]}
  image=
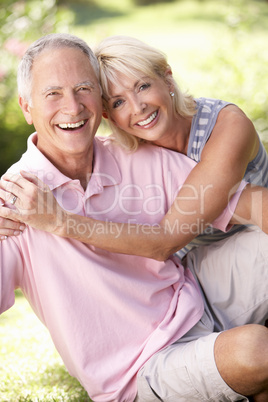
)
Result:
{"points": [[24, 105]]}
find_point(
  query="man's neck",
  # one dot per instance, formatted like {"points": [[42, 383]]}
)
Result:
{"points": [[76, 166], [79, 170]]}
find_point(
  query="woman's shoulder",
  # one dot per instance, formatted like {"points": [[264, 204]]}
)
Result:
{"points": [[208, 105]]}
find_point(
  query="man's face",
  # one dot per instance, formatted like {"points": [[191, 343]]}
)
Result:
{"points": [[66, 105]]}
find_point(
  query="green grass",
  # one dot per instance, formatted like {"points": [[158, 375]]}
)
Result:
{"points": [[31, 369]]}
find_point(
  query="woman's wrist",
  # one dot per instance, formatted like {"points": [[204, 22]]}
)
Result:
{"points": [[60, 227]]}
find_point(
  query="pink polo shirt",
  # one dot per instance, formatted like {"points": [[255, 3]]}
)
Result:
{"points": [[106, 313]]}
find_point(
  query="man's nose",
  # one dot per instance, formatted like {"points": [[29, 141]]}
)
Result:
{"points": [[72, 105]]}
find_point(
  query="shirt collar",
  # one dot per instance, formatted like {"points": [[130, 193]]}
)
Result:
{"points": [[106, 171], [105, 167]]}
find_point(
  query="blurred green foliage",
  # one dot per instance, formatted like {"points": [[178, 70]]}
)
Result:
{"points": [[21, 22], [215, 48], [146, 2]]}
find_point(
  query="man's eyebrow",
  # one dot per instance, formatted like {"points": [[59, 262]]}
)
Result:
{"points": [[52, 88], [58, 88], [85, 83]]}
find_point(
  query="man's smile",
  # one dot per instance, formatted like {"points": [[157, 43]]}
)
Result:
{"points": [[72, 126]]}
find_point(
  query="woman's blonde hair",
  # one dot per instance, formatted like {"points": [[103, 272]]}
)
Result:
{"points": [[132, 57]]}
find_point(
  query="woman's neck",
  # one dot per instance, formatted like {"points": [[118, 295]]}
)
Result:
{"points": [[179, 139]]}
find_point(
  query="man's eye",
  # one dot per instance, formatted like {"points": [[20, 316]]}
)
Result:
{"points": [[85, 89], [52, 94]]}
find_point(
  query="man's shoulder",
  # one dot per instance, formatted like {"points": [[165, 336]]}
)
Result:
{"points": [[17, 166], [150, 151], [110, 144]]}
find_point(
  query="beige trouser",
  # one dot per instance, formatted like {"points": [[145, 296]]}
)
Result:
{"points": [[233, 276]]}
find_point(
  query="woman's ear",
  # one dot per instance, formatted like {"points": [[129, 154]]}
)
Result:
{"points": [[26, 110], [105, 114], [169, 78], [168, 72]]}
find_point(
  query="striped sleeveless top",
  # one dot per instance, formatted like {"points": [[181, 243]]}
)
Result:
{"points": [[257, 170]]}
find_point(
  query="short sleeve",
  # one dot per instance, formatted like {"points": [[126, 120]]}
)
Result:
{"points": [[11, 271], [222, 222]]}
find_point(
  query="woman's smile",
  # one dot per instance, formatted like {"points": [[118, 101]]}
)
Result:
{"points": [[151, 119]]}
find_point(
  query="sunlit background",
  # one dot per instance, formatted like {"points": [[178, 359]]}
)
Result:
{"points": [[216, 49]]}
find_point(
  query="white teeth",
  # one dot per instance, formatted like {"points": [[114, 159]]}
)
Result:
{"points": [[147, 121], [72, 125]]}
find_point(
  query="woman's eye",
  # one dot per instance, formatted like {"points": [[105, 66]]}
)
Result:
{"points": [[117, 103], [144, 86]]}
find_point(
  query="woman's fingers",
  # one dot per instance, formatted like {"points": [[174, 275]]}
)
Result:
{"points": [[5, 233], [16, 179], [7, 197], [33, 179], [35, 204], [10, 190], [9, 227], [8, 214], [17, 191], [25, 188], [24, 180]]}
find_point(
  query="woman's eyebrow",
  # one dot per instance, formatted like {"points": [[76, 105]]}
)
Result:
{"points": [[136, 83]]}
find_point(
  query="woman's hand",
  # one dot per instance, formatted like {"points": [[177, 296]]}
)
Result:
{"points": [[9, 227], [27, 200]]}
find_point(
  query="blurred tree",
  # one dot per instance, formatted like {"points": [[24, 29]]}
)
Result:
{"points": [[244, 67], [21, 22], [149, 2]]}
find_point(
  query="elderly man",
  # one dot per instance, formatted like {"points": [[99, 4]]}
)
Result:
{"points": [[128, 328]]}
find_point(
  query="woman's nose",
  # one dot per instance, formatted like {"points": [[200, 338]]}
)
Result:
{"points": [[138, 105]]}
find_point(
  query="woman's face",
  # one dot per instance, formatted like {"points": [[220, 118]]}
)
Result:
{"points": [[142, 106]]}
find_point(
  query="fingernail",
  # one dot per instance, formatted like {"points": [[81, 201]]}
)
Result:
{"points": [[22, 227], [3, 237], [17, 232]]}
